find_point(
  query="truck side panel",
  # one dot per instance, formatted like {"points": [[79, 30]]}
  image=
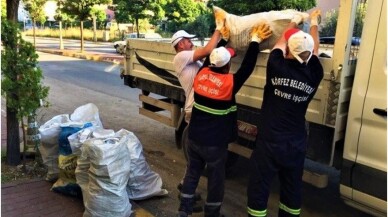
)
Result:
{"points": [[162, 54]]}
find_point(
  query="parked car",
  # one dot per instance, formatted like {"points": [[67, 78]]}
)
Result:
{"points": [[120, 45], [331, 39]]}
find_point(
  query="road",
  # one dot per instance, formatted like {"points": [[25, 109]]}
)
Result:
{"points": [[74, 82]]}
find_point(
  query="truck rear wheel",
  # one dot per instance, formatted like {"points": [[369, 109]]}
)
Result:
{"points": [[231, 158]]}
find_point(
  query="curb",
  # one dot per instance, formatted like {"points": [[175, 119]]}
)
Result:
{"points": [[99, 57]]}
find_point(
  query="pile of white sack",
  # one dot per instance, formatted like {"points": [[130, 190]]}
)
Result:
{"points": [[107, 168]]}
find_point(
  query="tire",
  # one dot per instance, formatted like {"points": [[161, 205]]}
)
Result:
{"points": [[122, 50], [231, 159], [117, 48]]}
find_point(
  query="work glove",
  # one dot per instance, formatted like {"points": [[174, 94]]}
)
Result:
{"points": [[298, 19], [261, 32], [225, 33], [220, 16], [315, 17]]}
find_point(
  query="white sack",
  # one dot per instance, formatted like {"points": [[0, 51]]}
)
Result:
{"points": [[241, 26], [83, 163], [105, 193], [143, 183], [87, 113], [48, 148]]}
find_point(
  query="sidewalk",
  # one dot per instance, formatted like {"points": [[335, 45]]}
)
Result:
{"points": [[33, 198]]}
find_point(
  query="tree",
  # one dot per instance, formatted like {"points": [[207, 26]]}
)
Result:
{"points": [[21, 80], [59, 17], [183, 11], [13, 138], [330, 26], [97, 15], [133, 11], [202, 27], [243, 7], [100, 16], [35, 9], [81, 9], [20, 84]]}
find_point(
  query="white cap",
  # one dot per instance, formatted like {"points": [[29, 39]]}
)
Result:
{"points": [[179, 35], [221, 56], [299, 42]]}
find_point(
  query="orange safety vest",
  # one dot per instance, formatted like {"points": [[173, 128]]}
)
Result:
{"points": [[214, 85]]}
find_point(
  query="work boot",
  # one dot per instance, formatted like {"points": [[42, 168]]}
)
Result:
{"points": [[182, 214], [197, 197], [212, 211]]}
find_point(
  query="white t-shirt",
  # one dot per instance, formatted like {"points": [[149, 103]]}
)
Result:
{"points": [[186, 70]]}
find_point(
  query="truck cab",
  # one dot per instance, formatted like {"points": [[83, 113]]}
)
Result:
{"points": [[364, 168]]}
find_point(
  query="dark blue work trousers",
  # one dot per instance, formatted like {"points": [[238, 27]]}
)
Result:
{"points": [[214, 158], [285, 159]]}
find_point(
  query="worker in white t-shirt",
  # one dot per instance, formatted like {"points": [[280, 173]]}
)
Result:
{"points": [[187, 61]]}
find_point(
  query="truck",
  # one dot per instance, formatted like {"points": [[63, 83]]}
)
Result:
{"points": [[346, 121]]}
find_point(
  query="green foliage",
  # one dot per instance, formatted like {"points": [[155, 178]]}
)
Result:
{"points": [[330, 27], [100, 17], [35, 9], [128, 11], [81, 8], [192, 16], [158, 9], [183, 11], [201, 27], [99, 14], [21, 76], [137, 11], [243, 7], [3, 9]]}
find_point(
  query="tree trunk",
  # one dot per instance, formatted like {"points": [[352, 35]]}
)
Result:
{"points": [[13, 139], [137, 27], [33, 31], [60, 36], [12, 10], [94, 29], [82, 36]]}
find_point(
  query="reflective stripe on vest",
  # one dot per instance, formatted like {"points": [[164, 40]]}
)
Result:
{"points": [[214, 85], [215, 111], [257, 213], [289, 210]]}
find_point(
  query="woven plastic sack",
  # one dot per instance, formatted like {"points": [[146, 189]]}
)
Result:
{"points": [[143, 183], [87, 113], [241, 26], [48, 149], [67, 160], [105, 193]]}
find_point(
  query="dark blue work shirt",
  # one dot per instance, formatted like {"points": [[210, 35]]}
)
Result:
{"points": [[290, 86]]}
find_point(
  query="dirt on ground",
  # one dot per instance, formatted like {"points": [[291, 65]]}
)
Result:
{"points": [[28, 169]]}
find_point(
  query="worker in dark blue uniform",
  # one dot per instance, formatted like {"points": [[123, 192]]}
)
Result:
{"points": [[293, 76], [213, 123]]}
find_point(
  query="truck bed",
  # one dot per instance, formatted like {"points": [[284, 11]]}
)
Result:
{"points": [[326, 115]]}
